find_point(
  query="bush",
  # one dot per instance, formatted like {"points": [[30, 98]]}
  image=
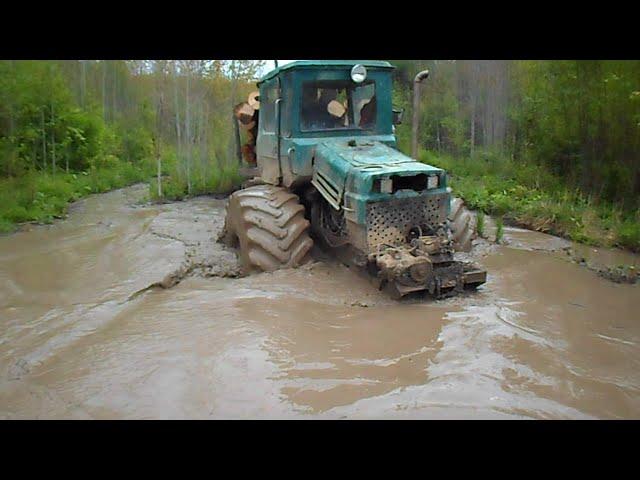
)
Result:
{"points": [[628, 234], [480, 225], [6, 226], [41, 196], [530, 196], [175, 187], [172, 189]]}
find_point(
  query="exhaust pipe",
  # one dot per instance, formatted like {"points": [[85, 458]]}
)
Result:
{"points": [[420, 77]]}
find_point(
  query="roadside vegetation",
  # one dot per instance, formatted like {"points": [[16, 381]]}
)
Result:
{"points": [[548, 145], [531, 197], [221, 182], [73, 128], [41, 197]]}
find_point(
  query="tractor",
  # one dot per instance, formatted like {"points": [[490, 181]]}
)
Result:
{"points": [[322, 165]]}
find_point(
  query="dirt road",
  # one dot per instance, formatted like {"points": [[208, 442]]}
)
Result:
{"points": [[87, 331]]}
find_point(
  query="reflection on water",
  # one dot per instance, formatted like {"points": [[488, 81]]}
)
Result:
{"points": [[544, 338]]}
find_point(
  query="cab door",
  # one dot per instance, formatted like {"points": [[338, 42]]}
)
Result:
{"points": [[267, 141]]}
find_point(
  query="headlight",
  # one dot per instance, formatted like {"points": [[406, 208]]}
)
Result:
{"points": [[432, 182], [358, 73]]}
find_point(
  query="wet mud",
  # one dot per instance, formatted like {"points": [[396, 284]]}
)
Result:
{"points": [[89, 328]]}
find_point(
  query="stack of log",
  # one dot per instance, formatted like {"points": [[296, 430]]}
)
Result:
{"points": [[246, 114]]}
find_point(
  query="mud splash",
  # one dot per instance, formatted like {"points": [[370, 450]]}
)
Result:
{"points": [[82, 334]]}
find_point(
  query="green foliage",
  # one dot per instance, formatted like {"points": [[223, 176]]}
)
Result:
{"points": [[577, 120], [6, 226], [581, 121], [553, 145], [176, 187], [629, 233], [136, 143], [499, 229], [41, 196], [71, 128], [480, 223], [530, 196]]}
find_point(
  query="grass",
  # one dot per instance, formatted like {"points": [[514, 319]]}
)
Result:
{"points": [[529, 196], [523, 194], [499, 229], [175, 187], [41, 197], [480, 223]]}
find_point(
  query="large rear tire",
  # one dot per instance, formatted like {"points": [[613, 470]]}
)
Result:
{"points": [[267, 223], [463, 225]]}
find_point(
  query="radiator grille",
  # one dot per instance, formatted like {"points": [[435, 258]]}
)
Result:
{"points": [[389, 222]]}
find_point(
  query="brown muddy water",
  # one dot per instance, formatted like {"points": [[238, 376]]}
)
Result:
{"points": [[87, 331]]}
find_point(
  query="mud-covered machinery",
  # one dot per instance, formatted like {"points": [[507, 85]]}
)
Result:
{"points": [[325, 167]]}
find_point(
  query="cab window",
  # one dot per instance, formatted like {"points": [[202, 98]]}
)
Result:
{"points": [[268, 108], [331, 105]]}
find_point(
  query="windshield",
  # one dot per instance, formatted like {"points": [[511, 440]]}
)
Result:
{"points": [[332, 105]]}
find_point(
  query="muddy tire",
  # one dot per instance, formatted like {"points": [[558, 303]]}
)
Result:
{"points": [[267, 223], [463, 225]]}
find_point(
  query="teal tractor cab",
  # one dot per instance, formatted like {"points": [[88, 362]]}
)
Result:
{"points": [[323, 166]]}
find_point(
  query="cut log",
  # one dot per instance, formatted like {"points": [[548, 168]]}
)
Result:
{"points": [[249, 154], [244, 113], [254, 100], [248, 126], [336, 109]]}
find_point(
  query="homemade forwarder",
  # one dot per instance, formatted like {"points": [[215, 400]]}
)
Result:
{"points": [[323, 165]]}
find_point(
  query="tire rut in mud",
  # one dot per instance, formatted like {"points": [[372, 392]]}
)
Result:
{"points": [[195, 224]]}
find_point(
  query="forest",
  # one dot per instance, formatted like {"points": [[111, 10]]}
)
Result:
{"points": [[549, 145]]}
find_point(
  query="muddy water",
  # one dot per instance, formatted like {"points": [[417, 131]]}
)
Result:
{"points": [[86, 331]]}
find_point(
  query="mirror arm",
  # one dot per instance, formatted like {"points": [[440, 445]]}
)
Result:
{"points": [[420, 77]]}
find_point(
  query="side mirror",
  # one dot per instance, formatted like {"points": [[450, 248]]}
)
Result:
{"points": [[397, 116]]}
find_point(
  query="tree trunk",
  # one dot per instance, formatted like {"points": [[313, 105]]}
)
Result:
{"points": [[104, 90], [44, 142], [11, 120], [473, 124], [188, 131], [159, 160], [159, 146], [53, 140], [113, 92], [235, 144], [157, 137], [83, 81], [204, 147], [177, 110]]}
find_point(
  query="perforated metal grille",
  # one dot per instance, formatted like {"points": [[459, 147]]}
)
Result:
{"points": [[389, 222]]}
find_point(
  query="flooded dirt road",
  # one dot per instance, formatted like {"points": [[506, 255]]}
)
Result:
{"points": [[87, 331]]}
